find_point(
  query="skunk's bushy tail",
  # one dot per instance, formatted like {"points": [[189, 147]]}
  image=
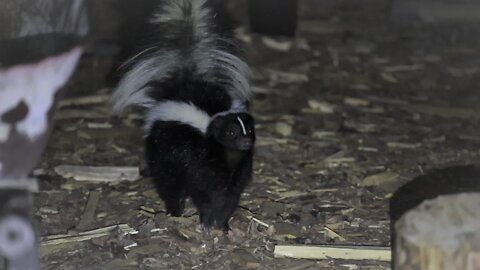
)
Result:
{"points": [[187, 44]]}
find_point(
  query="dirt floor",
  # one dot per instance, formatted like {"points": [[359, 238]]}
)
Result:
{"points": [[346, 113]]}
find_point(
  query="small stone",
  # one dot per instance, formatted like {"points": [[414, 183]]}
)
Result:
{"points": [[283, 129]]}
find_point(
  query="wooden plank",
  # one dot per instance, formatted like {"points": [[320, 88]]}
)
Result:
{"points": [[334, 252], [98, 174]]}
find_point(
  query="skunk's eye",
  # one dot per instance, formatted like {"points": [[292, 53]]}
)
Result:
{"points": [[231, 131]]}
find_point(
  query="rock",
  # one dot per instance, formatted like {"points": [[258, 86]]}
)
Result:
{"points": [[283, 129]]}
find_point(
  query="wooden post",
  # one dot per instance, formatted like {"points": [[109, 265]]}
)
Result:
{"points": [[440, 234]]}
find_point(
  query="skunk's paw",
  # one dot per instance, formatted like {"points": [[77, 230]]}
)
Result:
{"points": [[174, 213], [204, 229]]}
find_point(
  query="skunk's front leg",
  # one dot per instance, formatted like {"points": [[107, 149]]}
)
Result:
{"points": [[232, 193], [207, 203], [210, 205], [223, 214], [216, 207]]}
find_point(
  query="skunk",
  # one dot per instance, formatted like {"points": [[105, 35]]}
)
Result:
{"points": [[208, 159], [195, 93]]}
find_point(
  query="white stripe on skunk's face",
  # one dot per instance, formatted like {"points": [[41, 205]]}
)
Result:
{"points": [[182, 112], [242, 125]]}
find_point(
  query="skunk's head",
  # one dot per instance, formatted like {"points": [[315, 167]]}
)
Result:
{"points": [[235, 131]]}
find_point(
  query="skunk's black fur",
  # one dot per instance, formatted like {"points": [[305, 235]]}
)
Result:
{"points": [[195, 93]]}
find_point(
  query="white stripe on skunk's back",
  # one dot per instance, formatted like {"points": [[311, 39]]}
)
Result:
{"points": [[181, 10], [182, 112]]}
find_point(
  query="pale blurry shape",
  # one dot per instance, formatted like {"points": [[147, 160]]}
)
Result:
{"points": [[36, 85]]}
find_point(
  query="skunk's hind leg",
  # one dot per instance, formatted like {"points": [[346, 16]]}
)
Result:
{"points": [[173, 194]]}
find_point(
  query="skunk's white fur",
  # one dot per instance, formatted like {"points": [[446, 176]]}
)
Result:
{"points": [[211, 62], [132, 90], [185, 113], [244, 130], [174, 11]]}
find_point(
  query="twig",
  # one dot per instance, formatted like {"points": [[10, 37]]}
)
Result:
{"points": [[332, 234], [81, 101], [259, 221]]}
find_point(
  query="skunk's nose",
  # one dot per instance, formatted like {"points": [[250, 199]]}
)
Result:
{"points": [[244, 143]]}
